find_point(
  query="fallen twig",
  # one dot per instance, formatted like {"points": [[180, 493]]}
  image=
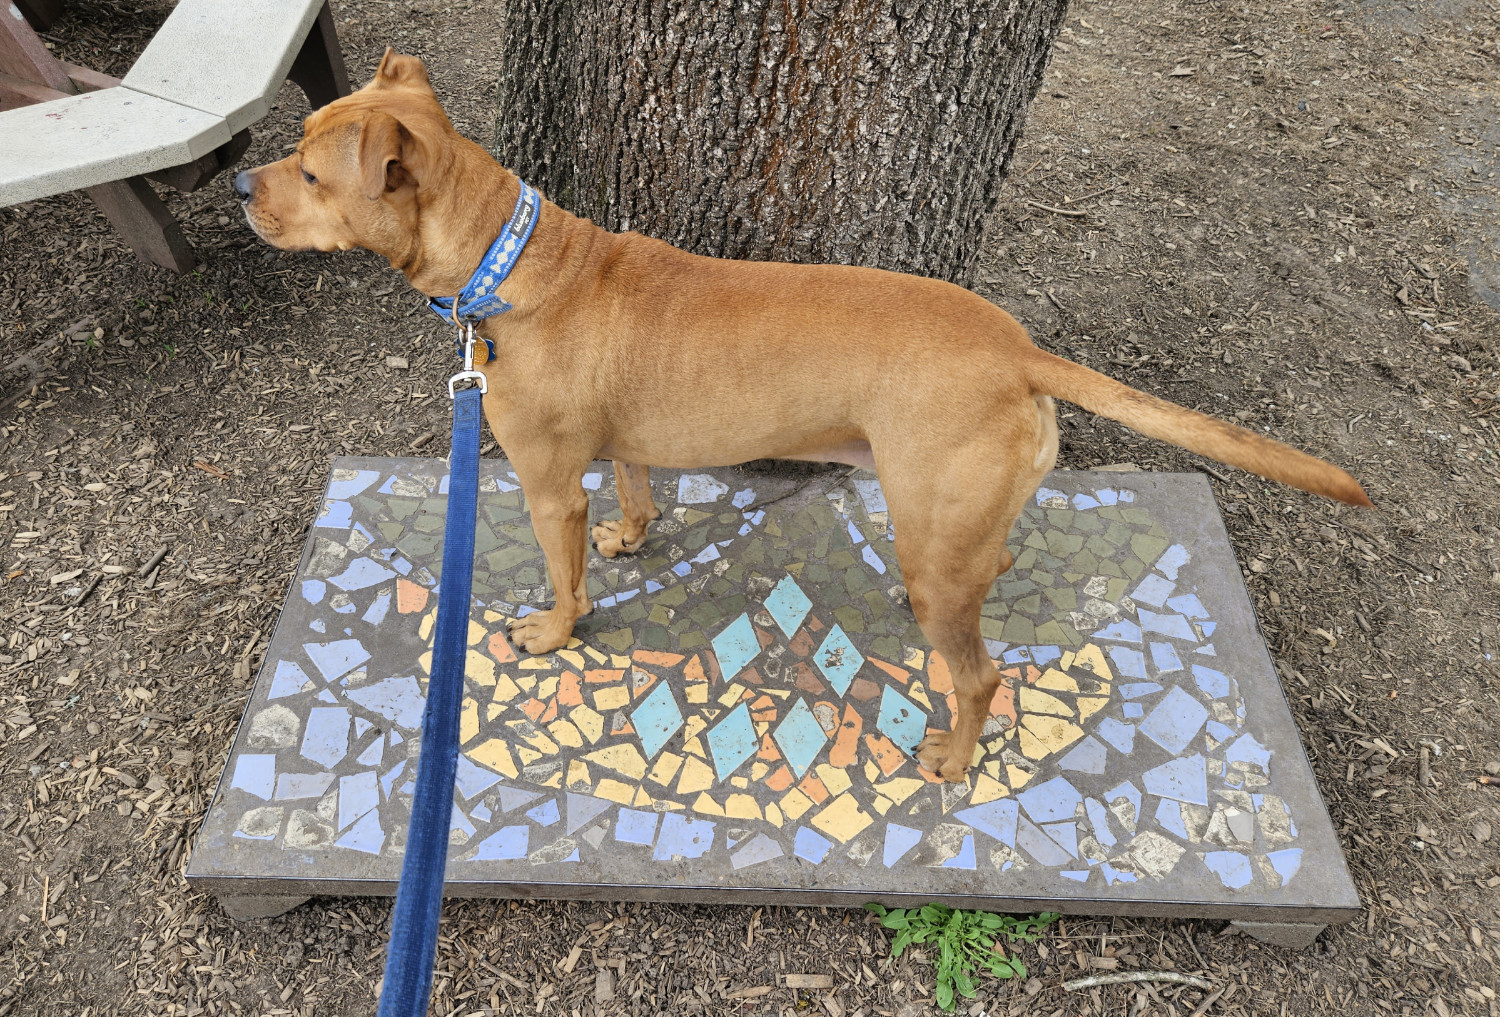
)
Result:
{"points": [[1136, 976], [1056, 211]]}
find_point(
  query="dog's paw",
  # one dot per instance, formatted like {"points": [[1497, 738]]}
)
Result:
{"points": [[609, 538], [541, 631], [937, 754]]}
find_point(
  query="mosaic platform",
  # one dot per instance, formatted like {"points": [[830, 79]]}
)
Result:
{"points": [[735, 719]]}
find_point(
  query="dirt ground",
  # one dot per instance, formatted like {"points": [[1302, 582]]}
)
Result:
{"points": [[1285, 214]]}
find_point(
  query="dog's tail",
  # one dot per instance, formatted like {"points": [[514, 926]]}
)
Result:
{"points": [[1157, 418]]}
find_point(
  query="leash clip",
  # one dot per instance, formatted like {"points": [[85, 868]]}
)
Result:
{"points": [[466, 336]]}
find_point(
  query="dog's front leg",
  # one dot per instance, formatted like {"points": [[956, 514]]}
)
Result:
{"points": [[637, 509], [559, 518]]}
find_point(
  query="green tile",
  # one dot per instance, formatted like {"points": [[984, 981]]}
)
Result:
{"points": [[706, 614], [673, 596], [817, 572], [754, 553], [732, 605], [1084, 561], [1018, 630], [1063, 544], [1014, 588], [528, 577], [417, 546], [1133, 567], [1029, 605], [878, 605], [692, 517], [1025, 559], [620, 640], [991, 628], [1042, 578], [1117, 534], [520, 534], [840, 560], [886, 647], [1136, 515], [1061, 519], [660, 615], [1146, 547], [1108, 568], [691, 640], [850, 617], [484, 538], [595, 587], [693, 540], [857, 581], [1087, 522], [632, 612], [1064, 597], [401, 508], [390, 531], [1034, 539], [655, 564], [1115, 590], [1055, 634], [654, 637], [369, 506], [1097, 545], [1108, 512]]}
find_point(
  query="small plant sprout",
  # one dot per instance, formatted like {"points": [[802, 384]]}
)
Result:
{"points": [[964, 941]]}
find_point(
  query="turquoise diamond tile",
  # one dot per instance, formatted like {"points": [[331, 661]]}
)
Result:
{"points": [[838, 659], [736, 646], [788, 605], [800, 737]]}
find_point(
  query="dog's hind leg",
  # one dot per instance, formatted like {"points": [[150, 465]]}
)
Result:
{"points": [[637, 509]]}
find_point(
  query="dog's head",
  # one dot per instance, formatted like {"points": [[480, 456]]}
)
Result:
{"points": [[364, 168]]}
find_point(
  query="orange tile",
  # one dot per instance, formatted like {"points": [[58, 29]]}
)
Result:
{"points": [[600, 674], [766, 639], [500, 648], [807, 678], [1004, 703], [694, 671], [780, 779], [656, 657], [864, 690], [550, 714], [814, 624], [802, 643], [750, 675], [939, 678], [846, 744], [410, 598], [570, 689], [1033, 674], [813, 788], [884, 752], [900, 674], [533, 708], [637, 691], [763, 703], [768, 750]]}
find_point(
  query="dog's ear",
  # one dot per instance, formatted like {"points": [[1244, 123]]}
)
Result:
{"points": [[397, 69], [387, 155]]}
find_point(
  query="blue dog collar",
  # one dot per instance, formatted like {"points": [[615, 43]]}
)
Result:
{"points": [[480, 297]]}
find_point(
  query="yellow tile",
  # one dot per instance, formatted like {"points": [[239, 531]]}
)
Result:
{"points": [[574, 642], [693, 727], [978, 754], [578, 777], [553, 781], [697, 693], [594, 654], [546, 688], [615, 791], [707, 806], [872, 772], [528, 756], [572, 657], [1090, 705], [987, 789], [666, 767], [468, 721], [1034, 701], [992, 767], [612, 697], [779, 693], [666, 805], [615, 660], [732, 695], [917, 692], [1017, 776], [773, 815], [425, 660], [794, 803], [834, 778], [1092, 657], [758, 770], [589, 722], [842, 819], [565, 734], [505, 689], [476, 632], [882, 804], [622, 758], [1056, 681], [913, 658], [492, 710], [642, 799], [1053, 732], [425, 631], [761, 727], [740, 782], [1031, 746], [741, 807], [494, 754], [1067, 660], [899, 789], [694, 746], [495, 616], [526, 681], [535, 663], [696, 776], [533, 736], [479, 668]]}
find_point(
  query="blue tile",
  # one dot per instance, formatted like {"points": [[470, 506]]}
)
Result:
{"points": [[326, 697], [336, 515], [1088, 756], [1213, 683], [1048, 494], [965, 857], [699, 489], [255, 773], [349, 487], [1208, 628], [636, 826], [336, 659], [871, 494], [361, 573], [481, 812], [365, 835], [898, 841], [460, 822], [325, 740], [389, 778], [358, 794], [800, 737], [1189, 606], [1139, 690], [855, 536], [1172, 560], [1247, 750], [470, 778], [1175, 721], [288, 681], [302, 785], [872, 559], [593, 481], [1232, 868], [997, 818], [901, 720], [1286, 862], [1121, 629], [657, 718], [1127, 791], [1133, 711], [1121, 736], [1174, 626], [1207, 649], [742, 498], [1220, 732], [1128, 662], [376, 612], [732, 741], [1084, 502], [399, 700], [736, 646], [1052, 801], [313, 590], [1183, 780], [1065, 835], [1169, 817], [759, 849], [1039, 846], [788, 605], [1113, 875], [1041, 656], [1153, 590], [1076, 875], [361, 726], [512, 798], [708, 554], [682, 568], [506, 844], [682, 837], [810, 846], [582, 809], [1164, 658], [1099, 820], [838, 659]]}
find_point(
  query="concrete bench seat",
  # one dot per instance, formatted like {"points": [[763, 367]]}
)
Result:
{"points": [[82, 140]]}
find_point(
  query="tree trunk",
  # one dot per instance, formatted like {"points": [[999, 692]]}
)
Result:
{"points": [[873, 132]]}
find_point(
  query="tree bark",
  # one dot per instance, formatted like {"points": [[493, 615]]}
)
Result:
{"points": [[870, 132]]}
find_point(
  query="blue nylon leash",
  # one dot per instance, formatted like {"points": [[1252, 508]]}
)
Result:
{"points": [[407, 989]]}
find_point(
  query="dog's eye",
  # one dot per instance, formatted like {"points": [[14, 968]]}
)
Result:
{"points": [[309, 177]]}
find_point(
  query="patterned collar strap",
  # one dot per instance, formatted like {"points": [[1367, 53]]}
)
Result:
{"points": [[480, 297]]}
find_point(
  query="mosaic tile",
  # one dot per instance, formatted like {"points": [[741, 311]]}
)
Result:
{"points": [[742, 706]]}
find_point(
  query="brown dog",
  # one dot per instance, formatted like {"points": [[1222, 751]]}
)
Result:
{"points": [[939, 391]]}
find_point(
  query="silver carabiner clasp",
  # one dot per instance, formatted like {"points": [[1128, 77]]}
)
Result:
{"points": [[466, 336]]}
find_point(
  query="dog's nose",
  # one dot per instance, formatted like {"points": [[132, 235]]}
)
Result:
{"points": [[242, 185]]}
